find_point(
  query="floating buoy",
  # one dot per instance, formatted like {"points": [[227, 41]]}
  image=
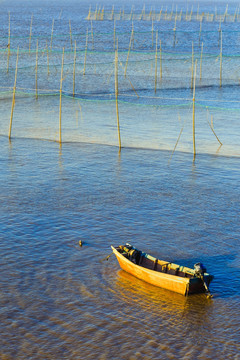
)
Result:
{"points": [[80, 243]]}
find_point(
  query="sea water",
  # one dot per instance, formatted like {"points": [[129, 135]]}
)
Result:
{"points": [[62, 301]]}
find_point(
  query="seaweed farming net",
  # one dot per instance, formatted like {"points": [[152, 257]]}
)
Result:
{"points": [[155, 72], [94, 71]]}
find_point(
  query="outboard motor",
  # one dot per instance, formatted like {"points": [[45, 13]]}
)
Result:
{"points": [[200, 269]]}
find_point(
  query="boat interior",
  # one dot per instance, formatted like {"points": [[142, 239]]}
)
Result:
{"points": [[149, 262]]}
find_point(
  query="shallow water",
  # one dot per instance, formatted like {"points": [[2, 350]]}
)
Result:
{"points": [[59, 300]]}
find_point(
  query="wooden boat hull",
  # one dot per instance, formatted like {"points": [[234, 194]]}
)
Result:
{"points": [[177, 284]]}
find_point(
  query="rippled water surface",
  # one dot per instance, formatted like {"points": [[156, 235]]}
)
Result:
{"points": [[58, 300], [62, 301]]}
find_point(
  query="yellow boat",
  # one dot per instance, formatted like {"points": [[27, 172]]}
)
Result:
{"points": [[164, 274]]}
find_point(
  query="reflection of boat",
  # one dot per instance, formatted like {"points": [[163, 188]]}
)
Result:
{"points": [[167, 275], [162, 303]]}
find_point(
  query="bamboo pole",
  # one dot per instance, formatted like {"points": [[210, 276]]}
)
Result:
{"points": [[174, 31], [13, 99], [92, 35], [74, 67], [114, 33], [9, 39], [60, 15], [52, 35], [112, 13], [143, 12], [225, 14], [36, 72], [132, 13], [80, 108], [156, 59], [180, 15], [211, 127], [116, 96], [150, 14], [192, 66], [176, 141], [30, 34], [221, 61], [132, 36], [60, 101], [102, 14], [70, 33], [201, 62], [176, 144], [129, 48], [219, 32], [160, 14], [235, 14], [98, 14], [89, 13], [193, 122], [85, 57], [166, 13], [191, 13]]}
